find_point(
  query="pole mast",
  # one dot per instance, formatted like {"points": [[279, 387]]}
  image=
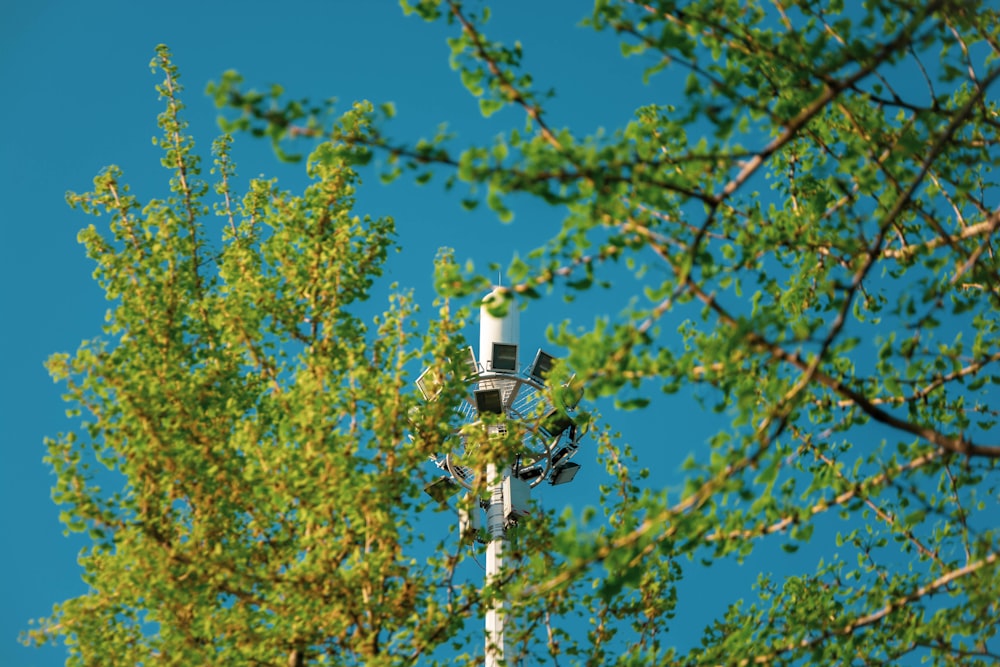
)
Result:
{"points": [[505, 331], [511, 397]]}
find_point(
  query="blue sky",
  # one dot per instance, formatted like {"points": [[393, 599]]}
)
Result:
{"points": [[78, 95]]}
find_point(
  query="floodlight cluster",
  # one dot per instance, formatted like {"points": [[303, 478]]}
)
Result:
{"points": [[507, 398]]}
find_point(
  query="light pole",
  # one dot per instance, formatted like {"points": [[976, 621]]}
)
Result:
{"points": [[500, 386]]}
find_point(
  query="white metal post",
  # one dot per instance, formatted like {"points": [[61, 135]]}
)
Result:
{"points": [[494, 569], [504, 396], [492, 329]]}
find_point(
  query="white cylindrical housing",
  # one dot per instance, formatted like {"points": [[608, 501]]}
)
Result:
{"points": [[492, 329]]}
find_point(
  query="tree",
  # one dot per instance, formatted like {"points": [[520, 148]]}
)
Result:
{"points": [[266, 448], [253, 422], [844, 322], [844, 325]]}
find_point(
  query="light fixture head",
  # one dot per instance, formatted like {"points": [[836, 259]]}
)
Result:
{"points": [[429, 383], [561, 454], [489, 400], [555, 422], [442, 488], [565, 472], [504, 358], [541, 366], [530, 474], [471, 365]]}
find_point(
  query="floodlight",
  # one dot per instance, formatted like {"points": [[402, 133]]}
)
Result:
{"points": [[530, 474], [565, 472], [489, 400], [562, 453], [472, 366], [556, 422], [429, 383], [541, 366], [441, 489], [504, 358]]}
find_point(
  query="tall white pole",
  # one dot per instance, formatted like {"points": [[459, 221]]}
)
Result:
{"points": [[495, 330], [508, 482], [494, 568]]}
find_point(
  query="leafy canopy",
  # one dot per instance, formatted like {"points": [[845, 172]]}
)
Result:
{"points": [[819, 210]]}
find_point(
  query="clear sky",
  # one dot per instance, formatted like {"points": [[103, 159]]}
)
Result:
{"points": [[78, 95]]}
